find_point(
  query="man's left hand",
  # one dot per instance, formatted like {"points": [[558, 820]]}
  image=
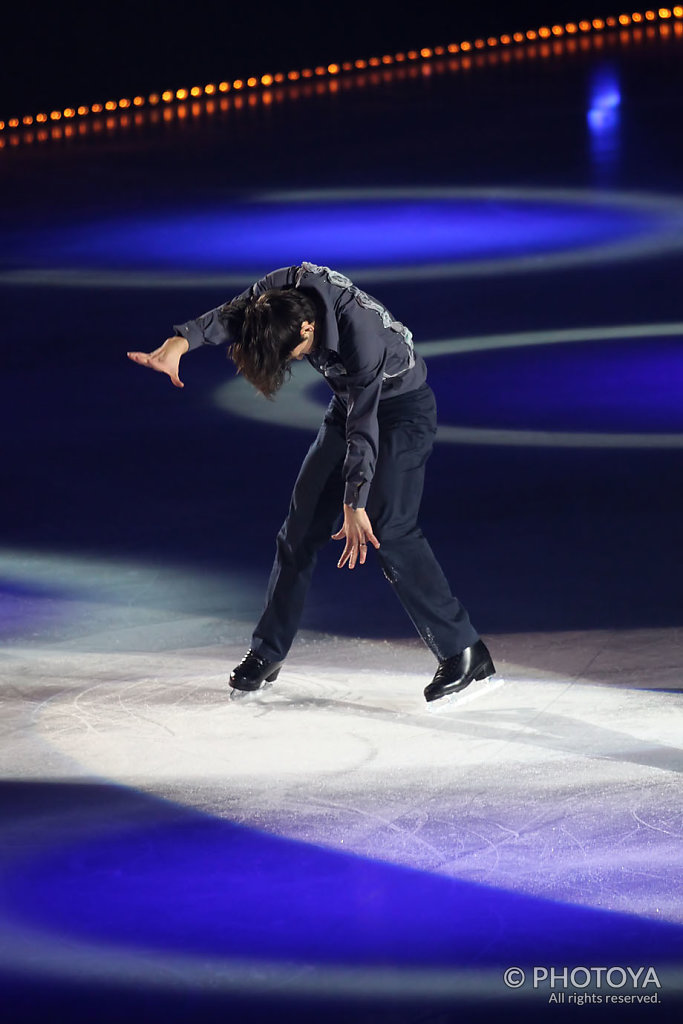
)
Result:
{"points": [[357, 532]]}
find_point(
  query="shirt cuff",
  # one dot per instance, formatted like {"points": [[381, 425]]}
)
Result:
{"points": [[192, 331], [356, 493]]}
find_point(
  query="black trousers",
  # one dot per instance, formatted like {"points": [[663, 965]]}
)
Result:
{"points": [[407, 426]]}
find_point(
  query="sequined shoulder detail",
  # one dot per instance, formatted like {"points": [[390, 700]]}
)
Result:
{"points": [[367, 302]]}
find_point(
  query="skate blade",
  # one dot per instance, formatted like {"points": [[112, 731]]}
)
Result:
{"points": [[248, 696], [479, 688]]}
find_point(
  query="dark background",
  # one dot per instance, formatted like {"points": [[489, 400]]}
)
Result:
{"points": [[64, 54], [545, 539]]}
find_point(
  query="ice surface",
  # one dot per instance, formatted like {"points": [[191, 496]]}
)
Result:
{"points": [[564, 782]]}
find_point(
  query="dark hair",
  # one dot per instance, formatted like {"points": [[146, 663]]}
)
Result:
{"points": [[270, 331]]}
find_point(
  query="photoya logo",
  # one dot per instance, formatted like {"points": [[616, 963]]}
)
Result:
{"points": [[641, 982]]}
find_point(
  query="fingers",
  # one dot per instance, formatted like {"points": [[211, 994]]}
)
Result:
{"points": [[150, 359], [363, 547], [346, 554], [154, 361], [356, 548], [351, 552]]}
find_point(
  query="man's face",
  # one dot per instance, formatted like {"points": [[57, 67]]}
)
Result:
{"points": [[307, 341]]}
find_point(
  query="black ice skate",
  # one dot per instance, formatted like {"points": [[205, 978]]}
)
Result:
{"points": [[456, 673], [253, 671]]}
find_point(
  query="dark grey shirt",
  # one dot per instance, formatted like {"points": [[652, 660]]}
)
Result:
{"points": [[364, 354]]}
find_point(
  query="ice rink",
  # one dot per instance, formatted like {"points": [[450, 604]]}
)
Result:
{"points": [[332, 836]]}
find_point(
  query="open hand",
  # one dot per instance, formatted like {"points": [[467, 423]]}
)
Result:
{"points": [[165, 359], [357, 532]]}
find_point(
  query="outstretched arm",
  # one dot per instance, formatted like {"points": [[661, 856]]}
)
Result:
{"points": [[222, 325], [165, 359], [217, 327]]}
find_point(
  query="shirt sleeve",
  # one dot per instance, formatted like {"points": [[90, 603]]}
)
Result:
{"points": [[364, 356], [222, 325]]}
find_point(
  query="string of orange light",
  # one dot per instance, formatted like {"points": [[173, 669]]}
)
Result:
{"points": [[266, 81]]}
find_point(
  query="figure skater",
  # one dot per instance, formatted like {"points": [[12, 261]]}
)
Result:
{"points": [[367, 462]]}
